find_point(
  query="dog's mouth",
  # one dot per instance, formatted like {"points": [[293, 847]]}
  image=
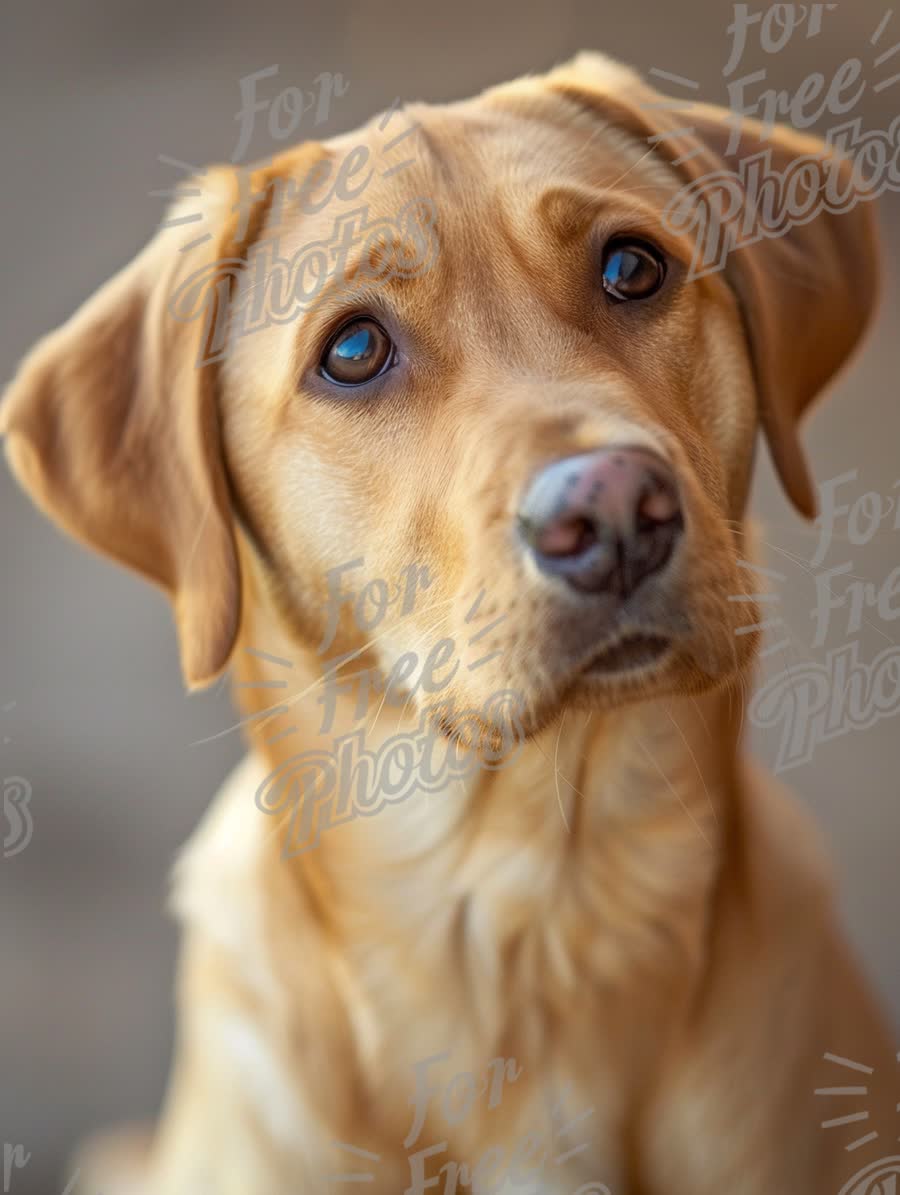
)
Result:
{"points": [[630, 653]]}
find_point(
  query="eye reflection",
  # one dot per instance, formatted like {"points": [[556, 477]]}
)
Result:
{"points": [[357, 353]]}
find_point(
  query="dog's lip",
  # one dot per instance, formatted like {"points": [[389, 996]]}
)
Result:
{"points": [[629, 652]]}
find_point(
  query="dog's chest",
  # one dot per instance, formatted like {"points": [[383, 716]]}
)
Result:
{"points": [[499, 1128], [485, 1024], [494, 1035]]}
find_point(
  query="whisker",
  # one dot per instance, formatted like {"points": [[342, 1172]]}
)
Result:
{"points": [[802, 564], [687, 157], [684, 131], [702, 778], [565, 779], [556, 773], [272, 712], [700, 715], [674, 793], [758, 568]]}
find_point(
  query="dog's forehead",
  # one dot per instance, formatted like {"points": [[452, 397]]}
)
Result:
{"points": [[470, 159], [488, 202]]}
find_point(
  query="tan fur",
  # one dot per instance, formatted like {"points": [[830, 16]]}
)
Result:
{"points": [[627, 909]]}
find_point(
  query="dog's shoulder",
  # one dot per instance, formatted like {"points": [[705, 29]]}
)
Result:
{"points": [[216, 882]]}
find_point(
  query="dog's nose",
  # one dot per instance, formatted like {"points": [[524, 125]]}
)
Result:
{"points": [[605, 520]]}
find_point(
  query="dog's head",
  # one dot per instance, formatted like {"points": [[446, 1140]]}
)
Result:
{"points": [[482, 350]]}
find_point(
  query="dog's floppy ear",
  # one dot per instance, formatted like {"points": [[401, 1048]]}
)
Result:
{"points": [[112, 426], [806, 293]]}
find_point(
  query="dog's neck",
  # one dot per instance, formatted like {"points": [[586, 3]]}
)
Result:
{"points": [[613, 821]]}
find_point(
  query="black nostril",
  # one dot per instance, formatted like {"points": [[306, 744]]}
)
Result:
{"points": [[603, 521]]}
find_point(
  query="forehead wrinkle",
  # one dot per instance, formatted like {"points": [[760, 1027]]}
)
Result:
{"points": [[426, 163], [428, 136], [471, 178]]}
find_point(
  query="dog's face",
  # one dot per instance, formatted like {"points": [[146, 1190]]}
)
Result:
{"points": [[515, 385], [548, 413]]}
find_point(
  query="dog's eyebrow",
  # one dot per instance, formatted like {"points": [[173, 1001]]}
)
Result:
{"points": [[570, 210], [341, 299], [351, 289]]}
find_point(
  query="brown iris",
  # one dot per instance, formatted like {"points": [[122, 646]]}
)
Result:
{"points": [[358, 352], [632, 269]]}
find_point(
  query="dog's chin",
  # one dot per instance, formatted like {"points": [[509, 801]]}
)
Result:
{"points": [[633, 666], [619, 670], [629, 656]]}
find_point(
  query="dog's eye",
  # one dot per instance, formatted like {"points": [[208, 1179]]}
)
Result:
{"points": [[357, 353], [632, 269]]}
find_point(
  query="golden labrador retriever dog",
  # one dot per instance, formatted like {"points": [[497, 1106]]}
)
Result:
{"points": [[443, 446]]}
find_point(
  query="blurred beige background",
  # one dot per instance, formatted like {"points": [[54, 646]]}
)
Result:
{"points": [[92, 92]]}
